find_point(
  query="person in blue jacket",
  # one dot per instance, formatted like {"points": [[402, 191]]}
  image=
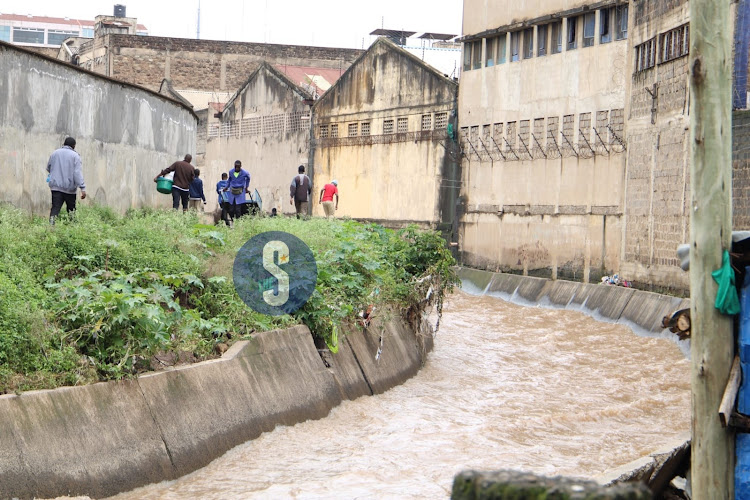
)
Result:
{"points": [[239, 183], [196, 192], [223, 197]]}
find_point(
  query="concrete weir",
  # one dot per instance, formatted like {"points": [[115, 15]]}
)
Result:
{"points": [[111, 437]]}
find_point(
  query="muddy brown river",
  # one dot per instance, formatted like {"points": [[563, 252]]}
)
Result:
{"points": [[541, 390]]}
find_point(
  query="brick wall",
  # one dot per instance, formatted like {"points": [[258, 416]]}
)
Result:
{"points": [[208, 64], [741, 170]]}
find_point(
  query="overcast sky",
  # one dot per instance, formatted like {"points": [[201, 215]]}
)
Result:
{"points": [[325, 23]]}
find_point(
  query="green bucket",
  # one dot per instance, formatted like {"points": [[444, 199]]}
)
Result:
{"points": [[164, 185]]}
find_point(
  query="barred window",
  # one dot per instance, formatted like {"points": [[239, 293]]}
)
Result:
{"points": [[353, 129], [645, 55], [365, 128], [334, 130], [441, 121], [388, 126], [426, 122], [403, 125], [674, 43], [485, 132], [323, 131], [474, 133], [497, 132]]}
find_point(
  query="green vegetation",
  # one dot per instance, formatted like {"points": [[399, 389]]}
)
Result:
{"points": [[96, 298]]}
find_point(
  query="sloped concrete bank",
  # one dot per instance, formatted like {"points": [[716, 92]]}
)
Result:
{"points": [[641, 311], [107, 438]]}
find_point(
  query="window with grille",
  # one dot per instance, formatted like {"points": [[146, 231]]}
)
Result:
{"points": [[365, 127], [441, 120], [497, 133], [353, 129], [645, 55], [426, 122], [388, 126], [403, 125], [323, 131], [589, 22], [334, 130], [28, 35], [485, 132], [674, 43], [474, 133]]}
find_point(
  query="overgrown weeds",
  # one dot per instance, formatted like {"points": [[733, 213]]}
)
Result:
{"points": [[95, 298]]}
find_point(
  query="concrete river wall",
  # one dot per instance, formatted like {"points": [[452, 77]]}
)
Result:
{"points": [[106, 438], [640, 310]]}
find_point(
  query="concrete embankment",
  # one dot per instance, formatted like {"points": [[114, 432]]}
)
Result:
{"points": [[106, 438], [641, 311]]}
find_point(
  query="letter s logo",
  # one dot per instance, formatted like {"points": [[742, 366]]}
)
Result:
{"points": [[269, 250]]}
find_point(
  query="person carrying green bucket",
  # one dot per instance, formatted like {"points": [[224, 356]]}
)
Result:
{"points": [[184, 173]]}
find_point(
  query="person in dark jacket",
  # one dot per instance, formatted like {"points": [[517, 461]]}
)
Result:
{"points": [[65, 177], [184, 173], [196, 192], [299, 190]]}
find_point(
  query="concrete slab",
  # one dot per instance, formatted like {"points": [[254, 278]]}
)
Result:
{"points": [[505, 283], [474, 281], [646, 309], [560, 292], [606, 300]]}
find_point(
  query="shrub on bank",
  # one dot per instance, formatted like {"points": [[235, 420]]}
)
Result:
{"points": [[100, 297]]}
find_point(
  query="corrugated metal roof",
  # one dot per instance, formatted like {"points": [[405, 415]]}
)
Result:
{"points": [[394, 33], [311, 79], [436, 36]]}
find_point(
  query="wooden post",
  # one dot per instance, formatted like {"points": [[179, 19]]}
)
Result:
{"points": [[712, 341]]}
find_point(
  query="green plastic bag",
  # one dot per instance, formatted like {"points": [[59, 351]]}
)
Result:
{"points": [[727, 301]]}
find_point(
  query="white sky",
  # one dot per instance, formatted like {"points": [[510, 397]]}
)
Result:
{"points": [[325, 23]]}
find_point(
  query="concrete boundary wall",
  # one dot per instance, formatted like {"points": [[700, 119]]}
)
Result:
{"points": [[106, 438], [641, 311]]}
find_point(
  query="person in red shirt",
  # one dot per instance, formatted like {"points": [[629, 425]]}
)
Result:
{"points": [[326, 198]]}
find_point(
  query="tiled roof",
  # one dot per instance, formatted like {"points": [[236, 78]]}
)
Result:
{"points": [[307, 77]]}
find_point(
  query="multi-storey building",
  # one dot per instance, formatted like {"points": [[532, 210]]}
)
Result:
{"points": [[541, 110]]}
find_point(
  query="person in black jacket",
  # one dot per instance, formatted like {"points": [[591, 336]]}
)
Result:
{"points": [[299, 191], [184, 173]]}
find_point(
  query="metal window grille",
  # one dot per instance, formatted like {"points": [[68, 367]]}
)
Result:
{"points": [[441, 121], [485, 132], [388, 126], [403, 125], [353, 129], [324, 131], [426, 122], [497, 132], [334, 130], [365, 128]]}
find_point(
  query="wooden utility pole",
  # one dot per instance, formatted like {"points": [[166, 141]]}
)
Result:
{"points": [[712, 338]]}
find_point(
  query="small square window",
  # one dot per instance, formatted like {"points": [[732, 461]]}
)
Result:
{"points": [[441, 121], [365, 128], [334, 130], [353, 129], [323, 131], [426, 122], [403, 125], [388, 126]]}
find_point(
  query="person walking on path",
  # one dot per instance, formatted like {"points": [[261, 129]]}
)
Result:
{"points": [[239, 182], [326, 198], [196, 192], [223, 197], [299, 191], [184, 173], [65, 178]]}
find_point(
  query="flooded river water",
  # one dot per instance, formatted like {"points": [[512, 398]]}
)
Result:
{"points": [[541, 390]]}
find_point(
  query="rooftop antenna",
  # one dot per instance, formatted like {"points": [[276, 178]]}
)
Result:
{"points": [[198, 31]]}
